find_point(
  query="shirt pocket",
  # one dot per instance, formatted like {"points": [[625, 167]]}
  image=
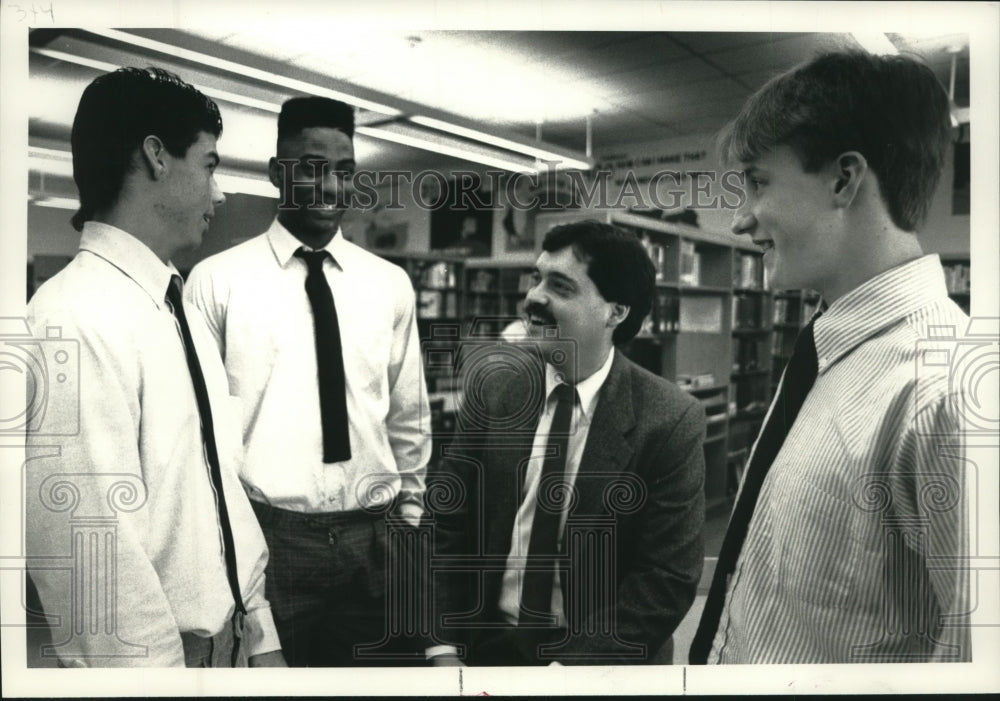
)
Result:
{"points": [[819, 556]]}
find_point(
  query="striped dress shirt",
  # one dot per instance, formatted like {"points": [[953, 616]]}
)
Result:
{"points": [[852, 553]]}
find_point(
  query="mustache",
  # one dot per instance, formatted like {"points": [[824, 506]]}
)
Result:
{"points": [[535, 309]]}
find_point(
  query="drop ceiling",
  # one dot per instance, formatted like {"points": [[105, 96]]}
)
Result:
{"points": [[633, 86]]}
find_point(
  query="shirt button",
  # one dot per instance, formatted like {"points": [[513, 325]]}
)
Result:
{"points": [[332, 537], [823, 362]]}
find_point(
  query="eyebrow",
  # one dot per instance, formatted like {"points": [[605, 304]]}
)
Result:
{"points": [[561, 277], [339, 165]]}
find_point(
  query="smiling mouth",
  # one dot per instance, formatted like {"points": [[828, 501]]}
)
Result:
{"points": [[539, 320]]}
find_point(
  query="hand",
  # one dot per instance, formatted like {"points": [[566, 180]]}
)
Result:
{"points": [[449, 659], [268, 659]]}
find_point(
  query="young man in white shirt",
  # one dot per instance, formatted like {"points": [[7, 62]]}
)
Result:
{"points": [[847, 541], [336, 434], [143, 495]]}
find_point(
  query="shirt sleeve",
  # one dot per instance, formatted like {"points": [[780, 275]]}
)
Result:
{"points": [[200, 291], [86, 491], [408, 420], [930, 494], [260, 621]]}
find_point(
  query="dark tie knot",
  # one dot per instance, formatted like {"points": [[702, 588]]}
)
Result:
{"points": [[314, 259], [174, 290], [564, 393]]}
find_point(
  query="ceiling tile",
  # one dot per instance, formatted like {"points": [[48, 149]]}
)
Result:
{"points": [[780, 54]]}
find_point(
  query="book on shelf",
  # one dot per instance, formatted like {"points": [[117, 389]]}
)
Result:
{"points": [[482, 281], [745, 355], [690, 264], [657, 253], [746, 311], [700, 381], [956, 278], [809, 307], [664, 316], [439, 275], [780, 315], [748, 275], [429, 304]]}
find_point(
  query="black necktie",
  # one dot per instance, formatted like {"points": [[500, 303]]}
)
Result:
{"points": [[329, 360], [536, 594], [799, 378], [208, 438]]}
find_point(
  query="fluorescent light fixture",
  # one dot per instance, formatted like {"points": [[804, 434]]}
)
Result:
{"points": [[214, 93], [395, 133], [50, 161], [240, 69], [261, 187], [564, 160], [55, 162], [401, 134], [55, 202], [875, 43]]}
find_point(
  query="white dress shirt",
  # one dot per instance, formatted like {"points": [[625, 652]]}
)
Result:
{"points": [[254, 300], [874, 454], [135, 422], [583, 413]]}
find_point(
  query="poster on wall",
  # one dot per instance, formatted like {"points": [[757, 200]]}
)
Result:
{"points": [[461, 217]]}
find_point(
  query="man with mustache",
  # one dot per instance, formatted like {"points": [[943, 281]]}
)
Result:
{"points": [[605, 576]]}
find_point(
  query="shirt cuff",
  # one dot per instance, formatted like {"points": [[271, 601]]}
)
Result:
{"points": [[266, 638], [438, 650]]}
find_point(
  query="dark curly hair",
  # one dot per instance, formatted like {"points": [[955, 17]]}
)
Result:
{"points": [[617, 263], [120, 109]]}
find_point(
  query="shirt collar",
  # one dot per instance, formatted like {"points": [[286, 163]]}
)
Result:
{"points": [[131, 256], [284, 244], [588, 389], [876, 304]]}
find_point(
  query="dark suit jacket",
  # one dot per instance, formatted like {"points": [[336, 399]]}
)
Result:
{"points": [[642, 470]]}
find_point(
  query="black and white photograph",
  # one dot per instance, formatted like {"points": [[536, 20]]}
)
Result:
{"points": [[499, 348]]}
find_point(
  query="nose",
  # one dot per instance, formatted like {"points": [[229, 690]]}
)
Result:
{"points": [[218, 196], [535, 295], [339, 188], [744, 222]]}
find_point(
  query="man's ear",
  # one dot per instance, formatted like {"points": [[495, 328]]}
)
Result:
{"points": [[274, 172], [849, 171], [154, 156], [619, 312]]}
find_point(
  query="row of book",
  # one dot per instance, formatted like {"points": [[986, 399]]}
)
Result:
{"points": [[786, 310], [690, 270], [747, 311], [438, 275], [504, 280], [956, 277], [750, 272], [437, 304], [747, 355], [657, 253], [493, 306]]}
